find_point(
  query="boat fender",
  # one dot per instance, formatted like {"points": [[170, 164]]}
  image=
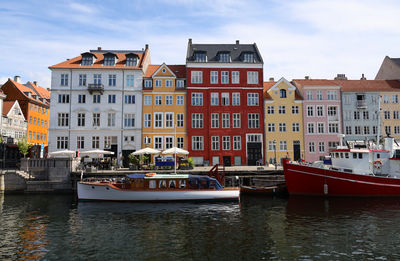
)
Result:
{"points": [[377, 164], [150, 174]]}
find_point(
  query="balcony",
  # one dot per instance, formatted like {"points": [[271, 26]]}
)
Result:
{"points": [[333, 117], [95, 87], [361, 104]]}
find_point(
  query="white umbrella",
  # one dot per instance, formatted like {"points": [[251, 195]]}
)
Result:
{"points": [[62, 153], [146, 151], [96, 152], [175, 150]]}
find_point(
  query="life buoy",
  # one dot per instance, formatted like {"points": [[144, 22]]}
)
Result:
{"points": [[150, 174], [377, 164]]}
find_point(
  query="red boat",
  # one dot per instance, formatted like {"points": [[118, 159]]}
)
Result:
{"points": [[355, 170]]}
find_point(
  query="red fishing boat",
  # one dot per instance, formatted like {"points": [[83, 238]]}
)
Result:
{"points": [[354, 170]]}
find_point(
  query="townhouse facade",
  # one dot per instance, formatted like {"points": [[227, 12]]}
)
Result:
{"points": [[97, 99], [225, 104], [34, 102], [322, 116], [283, 121], [2, 97], [13, 124], [390, 110], [164, 107]]}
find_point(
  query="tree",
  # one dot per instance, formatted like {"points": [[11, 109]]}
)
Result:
{"points": [[24, 146]]}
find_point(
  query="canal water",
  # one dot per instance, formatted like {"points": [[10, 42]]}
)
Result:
{"points": [[57, 227]]}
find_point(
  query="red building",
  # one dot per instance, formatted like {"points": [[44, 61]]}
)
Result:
{"points": [[225, 103]]}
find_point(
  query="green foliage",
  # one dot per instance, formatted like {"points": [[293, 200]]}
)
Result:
{"points": [[134, 159], [190, 161], [24, 146]]}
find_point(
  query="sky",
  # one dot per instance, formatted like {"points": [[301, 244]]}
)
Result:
{"points": [[296, 38]]}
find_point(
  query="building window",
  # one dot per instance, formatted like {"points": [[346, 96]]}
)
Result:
{"points": [[332, 95], [148, 84], [200, 57], [95, 142], [111, 119], [131, 61], [366, 130], [81, 98], [64, 80], [271, 145], [81, 119], [332, 110], [237, 143], [271, 127], [225, 120], [169, 120], [235, 77], [225, 99], [319, 95], [168, 83], [63, 119], [388, 129], [282, 93], [169, 100], [252, 99], [282, 109], [197, 77], [282, 127], [282, 145], [62, 142], [395, 115], [309, 95], [112, 80], [224, 57], [62, 98], [333, 128], [356, 115], [97, 78], [214, 77], [320, 111], [169, 142], [270, 110], [197, 120], [366, 115], [395, 98], [236, 120], [96, 98], [387, 115], [197, 99], [396, 129], [130, 81], [179, 100], [214, 143], [226, 142], [321, 127], [214, 99], [310, 111], [180, 84], [158, 143], [158, 100], [158, 120], [197, 143], [310, 127], [147, 120], [111, 98], [357, 130], [87, 61], [248, 58], [96, 119], [224, 77], [147, 99], [82, 79], [348, 130], [180, 142], [129, 120], [311, 147], [158, 83], [295, 109], [253, 121], [109, 61], [296, 127], [80, 140], [214, 120], [179, 120], [129, 99], [252, 77], [321, 146]]}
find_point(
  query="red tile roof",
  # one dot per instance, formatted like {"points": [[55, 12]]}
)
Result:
{"points": [[178, 70], [7, 105], [24, 89], [267, 86], [151, 69], [44, 93], [98, 63]]}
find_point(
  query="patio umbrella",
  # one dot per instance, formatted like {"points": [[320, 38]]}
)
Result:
{"points": [[175, 150], [97, 152], [62, 153], [146, 151]]}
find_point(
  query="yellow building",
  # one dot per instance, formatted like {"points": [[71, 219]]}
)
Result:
{"points": [[283, 121], [164, 107], [390, 113]]}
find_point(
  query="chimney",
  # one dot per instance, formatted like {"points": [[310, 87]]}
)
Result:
{"points": [[237, 42], [35, 83], [190, 41], [99, 48], [363, 77], [341, 76], [17, 79], [307, 77], [147, 46], [271, 79]]}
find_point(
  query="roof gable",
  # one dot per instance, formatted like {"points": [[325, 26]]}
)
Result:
{"points": [[163, 71]]}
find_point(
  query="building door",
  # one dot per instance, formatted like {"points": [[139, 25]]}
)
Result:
{"points": [[227, 161], [296, 150], [125, 159], [253, 153]]}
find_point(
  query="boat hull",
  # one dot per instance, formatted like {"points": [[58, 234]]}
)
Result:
{"points": [[108, 192], [308, 180]]}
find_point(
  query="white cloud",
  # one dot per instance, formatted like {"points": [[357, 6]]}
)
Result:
{"points": [[82, 8]]}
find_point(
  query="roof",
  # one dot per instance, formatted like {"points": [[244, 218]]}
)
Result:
{"points": [[7, 105], [268, 85], [32, 89], [42, 92], [178, 70], [212, 51], [99, 59], [396, 61]]}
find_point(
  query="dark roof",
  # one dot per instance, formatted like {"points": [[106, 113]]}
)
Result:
{"points": [[212, 50], [396, 61]]}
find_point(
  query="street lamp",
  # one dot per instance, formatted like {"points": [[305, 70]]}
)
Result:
{"points": [[275, 154]]}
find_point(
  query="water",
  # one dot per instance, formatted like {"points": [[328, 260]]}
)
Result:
{"points": [[56, 227]]}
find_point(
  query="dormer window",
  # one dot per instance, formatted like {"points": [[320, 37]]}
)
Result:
{"points": [[224, 57], [109, 60], [248, 57], [87, 59], [131, 61], [200, 57], [283, 93]]}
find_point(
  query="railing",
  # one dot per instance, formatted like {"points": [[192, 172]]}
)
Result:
{"points": [[333, 118], [361, 104], [95, 87], [218, 172]]}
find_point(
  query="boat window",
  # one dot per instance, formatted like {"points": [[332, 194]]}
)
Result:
{"points": [[163, 184], [182, 184], [152, 184], [172, 184], [337, 155], [360, 155], [204, 183], [348, 170], [341, 155], [213, 184], [354, 155], [346, 155], [378, 156]]}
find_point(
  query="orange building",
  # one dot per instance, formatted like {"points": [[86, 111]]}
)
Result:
{"points": [[35, 105]]}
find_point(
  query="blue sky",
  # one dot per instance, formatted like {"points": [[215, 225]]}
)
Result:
{"points": [[296, 38]]}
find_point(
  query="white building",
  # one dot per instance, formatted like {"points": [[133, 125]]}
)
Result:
{"points": [[2, 97], [97, 101], [13, 122]]}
